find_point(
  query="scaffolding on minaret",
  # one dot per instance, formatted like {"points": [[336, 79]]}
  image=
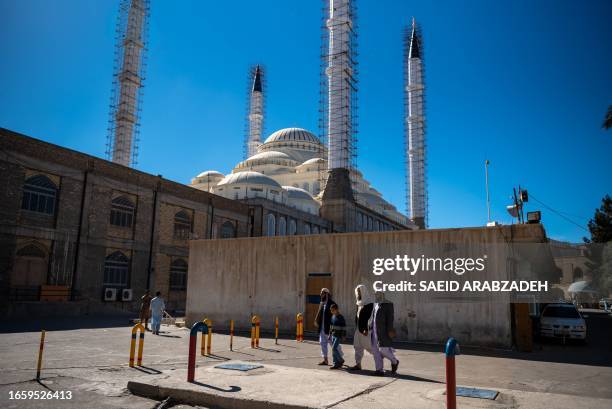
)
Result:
{"points": [[414, 127], [254, 127], [128, 80], [338, 85]]}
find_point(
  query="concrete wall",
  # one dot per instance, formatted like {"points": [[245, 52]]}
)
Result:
{"points": [[234, 279]]}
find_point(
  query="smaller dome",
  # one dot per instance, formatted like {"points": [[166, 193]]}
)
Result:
{"points": [[210, 174], [314, 161], [249, 177], [270, 155], [297, 193]]}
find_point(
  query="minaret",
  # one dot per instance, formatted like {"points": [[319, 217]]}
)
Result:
{"points": [[122, 145], [256, 112], [415, 127], [339, 55]]}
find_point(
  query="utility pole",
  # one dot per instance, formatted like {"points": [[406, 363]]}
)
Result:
{"points": [[487, 188]]}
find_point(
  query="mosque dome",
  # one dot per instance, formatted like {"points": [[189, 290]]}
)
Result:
{"points": [[249, 177], [292, 134], [267, 158], [314, 161], [207, 179], [297, 193], [210, 174], [301, 199]]}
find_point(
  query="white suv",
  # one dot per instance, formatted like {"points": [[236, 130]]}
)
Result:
{"points": [[562, 321]]}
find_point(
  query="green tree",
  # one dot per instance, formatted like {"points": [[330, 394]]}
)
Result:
{"points": [[599, 247], [600, 225], [607, 123]]}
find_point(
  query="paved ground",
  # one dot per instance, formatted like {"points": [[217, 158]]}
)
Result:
{"points": [[91, 362]]}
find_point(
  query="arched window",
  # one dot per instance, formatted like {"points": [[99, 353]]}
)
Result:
{"points": [[228, 231], [316, 188], [358, 221], [376, 225], [116, 270], [31, 250], [282, 226], [178, 274], [271, 225], [577, 274], [122, 212], [292, 227], [369, 223], [305, 186], [315, 230], [182, 225], [39, 195], [306, 228]]}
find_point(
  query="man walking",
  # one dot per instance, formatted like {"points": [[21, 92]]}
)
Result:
{"points": [[145, 305], [157, 310], [322, 322], [361, 339], [381, 330]]}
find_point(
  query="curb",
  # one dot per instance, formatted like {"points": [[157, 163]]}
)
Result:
{"points": [[203, 398]]}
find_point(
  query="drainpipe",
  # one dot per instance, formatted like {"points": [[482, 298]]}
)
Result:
{"points": [[152, 241], [212, 216], [75, 267]]}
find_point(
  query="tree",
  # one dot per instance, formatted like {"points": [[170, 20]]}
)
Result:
{"points": [[599, 247], [607, 123], [600, 225]]}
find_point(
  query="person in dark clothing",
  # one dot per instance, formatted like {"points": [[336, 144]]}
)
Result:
{"points": [[361, 340], [382, 332], [322, 322], [338, 333]]}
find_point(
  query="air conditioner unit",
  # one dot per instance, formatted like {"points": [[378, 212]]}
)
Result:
{"points": [[110, 294], [126, 294]]}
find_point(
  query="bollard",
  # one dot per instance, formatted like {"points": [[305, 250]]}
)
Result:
{"points": [[276, 331], [206, 343], [193, 340], [231, 335], [452, 349], [40, 354], [135, 329], [299, 331], [255, 332]]}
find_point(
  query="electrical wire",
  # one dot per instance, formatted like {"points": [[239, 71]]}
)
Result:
{"points": [[558, 213]]}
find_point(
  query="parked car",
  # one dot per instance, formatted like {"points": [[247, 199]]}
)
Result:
{"points": [[605, 304], [562, 320]]}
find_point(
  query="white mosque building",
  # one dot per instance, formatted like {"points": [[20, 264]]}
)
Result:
{"points": [[290, 168]]}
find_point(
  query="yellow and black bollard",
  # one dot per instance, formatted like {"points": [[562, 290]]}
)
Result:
{"points": [[206, 344], [40, 354], [135, 329], [299, 330], [255, 332], [276, 331]]}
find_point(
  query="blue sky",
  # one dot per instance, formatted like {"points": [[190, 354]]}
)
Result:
{"points": [[522, 83]]}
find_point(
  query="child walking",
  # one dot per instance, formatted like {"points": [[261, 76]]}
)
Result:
{"points": [[338, 333]]}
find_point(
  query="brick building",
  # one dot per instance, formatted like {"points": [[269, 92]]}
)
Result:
{"points": [[79, 223]]}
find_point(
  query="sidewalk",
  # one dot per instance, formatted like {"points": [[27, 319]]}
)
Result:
{"points": [[281, 387]]}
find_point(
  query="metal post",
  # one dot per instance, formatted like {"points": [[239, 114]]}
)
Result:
{"points": [[452, 349], [40, 354], [487, 188], [193, 340], [276, 331], [231, 335]]}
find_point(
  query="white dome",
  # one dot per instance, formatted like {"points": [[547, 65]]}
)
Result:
{"points": [[292, 134], [314, 161], [248, 177], [211, 174], [297, 193], [270, 155]]}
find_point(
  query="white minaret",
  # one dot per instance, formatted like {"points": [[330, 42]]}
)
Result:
{"points": [[256, 114], [128, 81], [415, 128], [341, 83]]}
